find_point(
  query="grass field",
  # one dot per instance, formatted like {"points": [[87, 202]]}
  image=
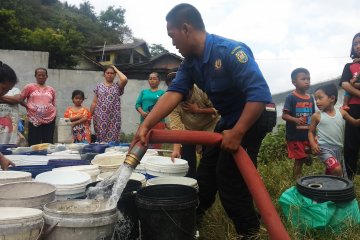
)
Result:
{"points": [[276, 172], [277, 177]]}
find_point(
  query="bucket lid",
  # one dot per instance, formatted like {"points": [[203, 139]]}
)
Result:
{"points": [[104, 175], [25, 190], [165, 161], [151, 152], [92, 170], [138, 176], [18, 213], [4, 175], [64, 178], [109, 161], [78, 207], [173, 180]]}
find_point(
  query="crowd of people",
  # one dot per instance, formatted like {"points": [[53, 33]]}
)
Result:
{"points": [[218, 87]]}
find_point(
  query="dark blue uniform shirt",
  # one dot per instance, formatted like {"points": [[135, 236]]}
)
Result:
{"points": [[229, 75]]}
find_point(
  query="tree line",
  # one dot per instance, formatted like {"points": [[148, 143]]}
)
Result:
{"points": [[61, 29]]}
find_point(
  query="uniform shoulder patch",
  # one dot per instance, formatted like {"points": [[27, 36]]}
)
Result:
{"points": [[241, 56]]}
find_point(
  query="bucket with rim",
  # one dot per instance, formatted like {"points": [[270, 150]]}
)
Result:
{"points": [[127, 226], [20, 223], [79, 219], [167, 212], [160, 166], [69, 184], [92, 170], [173, 180], [14, 176], [26, 194]]}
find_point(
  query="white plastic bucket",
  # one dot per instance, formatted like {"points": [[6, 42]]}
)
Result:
{"points": [[108, 162], [139, 177], [64, 131], [134, 176], [159, 166], [173, 180], [26, 194], [14, 176], [20, 223], [79, 219], [92, 170], [69, 184]]}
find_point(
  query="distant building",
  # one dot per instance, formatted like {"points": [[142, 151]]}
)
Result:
{"points": [[133, 59]]}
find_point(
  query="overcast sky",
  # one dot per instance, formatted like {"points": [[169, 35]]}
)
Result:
{"points": [[283, 34]]}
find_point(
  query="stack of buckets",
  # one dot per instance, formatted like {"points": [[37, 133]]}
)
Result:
{"points": [[69, 184], [92, 170]]}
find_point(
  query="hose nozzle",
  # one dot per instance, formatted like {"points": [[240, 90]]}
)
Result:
{"points": [[135, 154]]}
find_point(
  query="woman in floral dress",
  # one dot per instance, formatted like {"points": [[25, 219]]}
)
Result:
{"points": [[106, 106]]}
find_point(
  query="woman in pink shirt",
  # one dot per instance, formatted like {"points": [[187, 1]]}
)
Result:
{"points": [[41, 110]]}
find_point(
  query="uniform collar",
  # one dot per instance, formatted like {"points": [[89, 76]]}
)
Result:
{"points": [[207, 49]]}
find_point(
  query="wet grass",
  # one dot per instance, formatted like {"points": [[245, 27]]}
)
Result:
{"points": [[277, 177]]}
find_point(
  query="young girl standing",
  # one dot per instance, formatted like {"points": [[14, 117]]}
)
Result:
{"points": [[80, 118], [106, 106], [329, 125]]}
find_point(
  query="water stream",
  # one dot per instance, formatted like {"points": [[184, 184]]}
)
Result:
{"points": [[118, 181]]}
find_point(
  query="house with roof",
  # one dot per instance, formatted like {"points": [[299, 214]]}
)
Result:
{"points": [[133, 59]]}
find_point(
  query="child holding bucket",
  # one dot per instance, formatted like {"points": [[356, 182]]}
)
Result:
{"points": [[8, 80], [80, 118], [329, 125]]}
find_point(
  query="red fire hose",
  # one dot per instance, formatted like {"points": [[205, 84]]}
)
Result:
{"points": [[247, 169]]}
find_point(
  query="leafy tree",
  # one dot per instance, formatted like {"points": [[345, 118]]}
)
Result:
{"points": [[88, 10], [63, 45], [60, 28], [157, 49], [10, 30]]}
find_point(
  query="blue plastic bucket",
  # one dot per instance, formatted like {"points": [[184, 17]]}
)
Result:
{"points": [[67, 162], [33, 169]]}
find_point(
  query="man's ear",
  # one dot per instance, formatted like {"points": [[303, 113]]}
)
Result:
{"points": [[187, 29]]}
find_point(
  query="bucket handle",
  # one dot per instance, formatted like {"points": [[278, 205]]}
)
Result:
{"points": [[41, 230], [49, 229], [183, 230]]}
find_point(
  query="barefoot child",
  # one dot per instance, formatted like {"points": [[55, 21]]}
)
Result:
{"points": [[298, 108], [328, 125], [80, 118]]}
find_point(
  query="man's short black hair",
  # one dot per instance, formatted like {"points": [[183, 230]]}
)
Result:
{"points": [[185, 13], [297, 71]]}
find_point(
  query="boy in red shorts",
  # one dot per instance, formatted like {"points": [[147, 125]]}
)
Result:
{"points": [[298, 108]]}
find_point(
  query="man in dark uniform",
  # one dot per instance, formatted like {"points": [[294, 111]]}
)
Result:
{"points": [[227, 72]]}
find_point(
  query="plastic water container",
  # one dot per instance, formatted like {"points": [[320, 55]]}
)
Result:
{"points": [[69, 184], [20, 223], [14, 176], [159, 166], [140, 168], [79, 219], [92, 170], [64, 131], [173, 180], [172, 205], [34, 170], [108, 162], [26, 194], [134, 176]]}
